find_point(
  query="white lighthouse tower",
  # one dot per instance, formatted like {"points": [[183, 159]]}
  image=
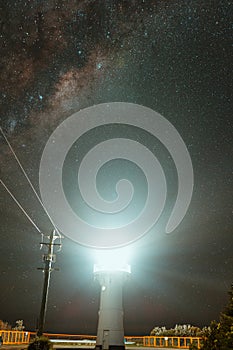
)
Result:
{"points": [[110, 332]]}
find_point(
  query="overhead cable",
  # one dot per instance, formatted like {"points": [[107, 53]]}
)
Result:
{"points": [[29, 181], [20, 206]]}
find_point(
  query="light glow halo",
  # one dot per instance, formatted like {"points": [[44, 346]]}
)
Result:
{"points": [[70, 130]]}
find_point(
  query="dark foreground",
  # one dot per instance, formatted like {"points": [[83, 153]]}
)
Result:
{"points": [[67, 347]]}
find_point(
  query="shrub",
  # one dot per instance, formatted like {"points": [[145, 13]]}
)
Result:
{"points": [[41, 343]]}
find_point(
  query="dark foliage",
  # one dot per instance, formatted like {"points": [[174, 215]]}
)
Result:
{"points": [[41, 343], [220, 334]]}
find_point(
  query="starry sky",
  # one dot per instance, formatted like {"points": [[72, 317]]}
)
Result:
{"points": [[60, 56]]}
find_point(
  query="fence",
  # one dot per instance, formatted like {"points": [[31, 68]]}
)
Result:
{"points": [[19, 337], [173, 342], [15, 337]]}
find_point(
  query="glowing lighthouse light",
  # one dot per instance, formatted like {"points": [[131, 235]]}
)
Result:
{"points": [[112, 260], [111, 270]]}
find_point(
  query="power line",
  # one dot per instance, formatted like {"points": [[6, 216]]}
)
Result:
{"points": [[48, 258], [30, 183], [20, 206]]}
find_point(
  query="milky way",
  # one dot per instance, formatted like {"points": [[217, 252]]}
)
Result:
{"points": [[175, 57]]}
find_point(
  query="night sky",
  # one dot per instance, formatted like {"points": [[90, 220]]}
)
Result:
{"points": [[58, 57]]}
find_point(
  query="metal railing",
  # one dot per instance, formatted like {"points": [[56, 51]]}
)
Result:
{"points": [[172, 342], [11, 337], [15, 337]]}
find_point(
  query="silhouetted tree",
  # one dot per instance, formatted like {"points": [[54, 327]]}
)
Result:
{"points": [[19, 325], [4, 325], [219, 335], [184, 330]]}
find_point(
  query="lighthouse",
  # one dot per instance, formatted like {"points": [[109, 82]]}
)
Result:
{"points": [[110, 331]]}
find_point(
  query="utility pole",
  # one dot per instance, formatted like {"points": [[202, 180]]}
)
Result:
{"points": [[48, 260]]}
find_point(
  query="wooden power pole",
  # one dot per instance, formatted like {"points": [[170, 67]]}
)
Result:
{"points": [[48, 260]]}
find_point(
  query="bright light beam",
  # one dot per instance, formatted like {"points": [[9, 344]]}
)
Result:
{"points": [[112, 260]]}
